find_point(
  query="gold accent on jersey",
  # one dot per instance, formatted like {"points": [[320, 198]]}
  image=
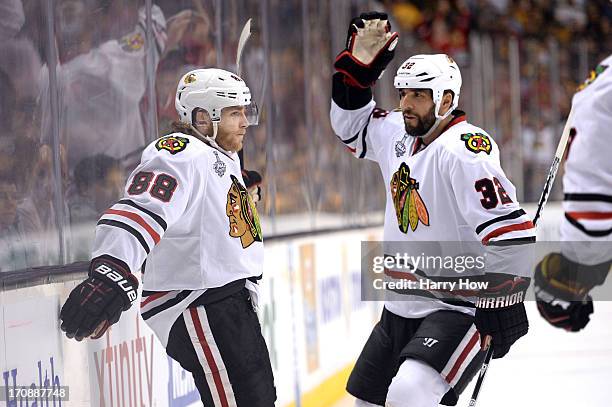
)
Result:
{"points": [[172, 144], [409, 206], [132, 42], [477, 142], [592, 76], [191, 78]]}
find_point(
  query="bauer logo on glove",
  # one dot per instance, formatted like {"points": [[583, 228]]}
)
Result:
{"points": [[370, 47], [118, 278], [97, 303]]}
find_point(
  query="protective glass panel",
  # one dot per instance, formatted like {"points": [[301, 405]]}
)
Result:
{"points": [[29, 203], [86, 84], [101, 84], [190, 45], [287, 157], [252, 67]]}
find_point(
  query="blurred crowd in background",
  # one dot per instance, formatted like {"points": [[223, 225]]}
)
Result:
{"points": [[86, 84], [446, 25]]}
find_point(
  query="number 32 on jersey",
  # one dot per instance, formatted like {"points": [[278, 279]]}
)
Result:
{"points": [[490, 189]]}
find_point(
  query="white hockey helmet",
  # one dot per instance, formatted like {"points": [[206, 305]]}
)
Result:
{"points": [[212, 89], [437, 72]]}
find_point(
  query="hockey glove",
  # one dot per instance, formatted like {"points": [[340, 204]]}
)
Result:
{"points": [[97, 303], [370, 47], [252, 182], [500, 312], [562, 290]]}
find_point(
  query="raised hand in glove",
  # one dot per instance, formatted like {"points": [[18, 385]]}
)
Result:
{"points": [[97, 303], [252, 182], [562, 290], [500, 313], [370, 47]]}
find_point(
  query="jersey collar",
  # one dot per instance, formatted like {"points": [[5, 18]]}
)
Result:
{"points": [[458, 117], [418, 143], [232, 156]]}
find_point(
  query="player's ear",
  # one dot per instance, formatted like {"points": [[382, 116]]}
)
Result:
{"points": [[447, 99]]}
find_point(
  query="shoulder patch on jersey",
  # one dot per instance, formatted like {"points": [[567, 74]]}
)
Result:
{"points": [[409, 207], [242, 215], [218, 166], [132, 42], [172, 144], [477, 142], [592, 76], [191, 78]]}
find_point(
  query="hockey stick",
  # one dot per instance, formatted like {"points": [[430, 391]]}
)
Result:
{"points": [[552, 173], [550, 179], [481, 376], [244, 36]]}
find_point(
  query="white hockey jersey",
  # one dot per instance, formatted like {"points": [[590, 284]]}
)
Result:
{"points": [[186, 212], [451, 190], [587, 181]]}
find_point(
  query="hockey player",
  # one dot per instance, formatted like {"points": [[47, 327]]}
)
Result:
{"points": [[564, 279], [187, 213], [443, 181]]}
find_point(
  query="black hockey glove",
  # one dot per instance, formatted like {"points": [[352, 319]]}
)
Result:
{"points": [[500, 312], [97, 303], [562, 290], [252, 182], [370, 47]]}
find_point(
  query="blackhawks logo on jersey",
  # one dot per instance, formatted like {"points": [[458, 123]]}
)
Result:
{"points": [[173, 144], [132, 42], [191, 78], [477, 142], [592, 76], [409, 207], [242, 215]]}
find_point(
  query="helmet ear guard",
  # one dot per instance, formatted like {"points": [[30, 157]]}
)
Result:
{"points": [[194, 113]]}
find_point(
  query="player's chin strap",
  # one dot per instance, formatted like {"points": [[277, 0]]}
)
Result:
{"points": [[212, 140], [439, 119]]}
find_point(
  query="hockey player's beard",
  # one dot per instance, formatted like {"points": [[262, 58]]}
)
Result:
{"points": [[423, 123]]}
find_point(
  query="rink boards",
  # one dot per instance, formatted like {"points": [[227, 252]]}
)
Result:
{"points": [[310, 311]]}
